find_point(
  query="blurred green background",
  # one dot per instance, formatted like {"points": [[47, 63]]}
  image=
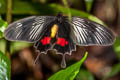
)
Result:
{"points": [[17, 58]]}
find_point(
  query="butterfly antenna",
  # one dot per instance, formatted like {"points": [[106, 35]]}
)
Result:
{"points": [[37, 58]]}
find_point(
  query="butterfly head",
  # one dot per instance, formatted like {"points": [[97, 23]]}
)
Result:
{"points": [[60, 14], [59, 17]]}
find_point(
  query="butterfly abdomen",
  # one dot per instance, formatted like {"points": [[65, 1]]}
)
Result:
{"points": [[54, 30]]}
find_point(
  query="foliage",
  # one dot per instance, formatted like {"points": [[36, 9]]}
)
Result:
{"points": [[24, 7], [5, 69], [116, 68], [3, 25], [70, 72], [17, 46], [84, 75], [3, 47], [89, 5], [117, 47]]}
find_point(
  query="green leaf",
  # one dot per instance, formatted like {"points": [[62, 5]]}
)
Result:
{"points": [[3, 45], [3, 25], [70, 72], [115, 70], [5, 68], [68, 9], [117, 47], [95, 19], [2, 6], [82, 75], [89, 5]]}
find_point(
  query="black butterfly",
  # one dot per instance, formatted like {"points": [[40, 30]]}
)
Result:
{"points": [[58, 33]]}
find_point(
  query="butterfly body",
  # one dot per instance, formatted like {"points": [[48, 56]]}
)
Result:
{"points": [[56, 36], [58, 33]]}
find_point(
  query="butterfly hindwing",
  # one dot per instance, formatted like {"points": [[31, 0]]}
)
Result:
{"points": [[86, 32], [64, 43], [44, 44]]}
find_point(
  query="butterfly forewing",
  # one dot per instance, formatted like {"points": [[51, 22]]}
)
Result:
{"points": [[85, 32], [28, 29]]}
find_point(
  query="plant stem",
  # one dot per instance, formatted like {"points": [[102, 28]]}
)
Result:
{"points": [[9, 11], [9, 19], [67, 6]]}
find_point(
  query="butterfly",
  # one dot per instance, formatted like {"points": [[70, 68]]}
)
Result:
{"points": [[59, 33]]}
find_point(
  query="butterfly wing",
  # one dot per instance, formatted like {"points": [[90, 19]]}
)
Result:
{"points": [[64, 43], [28, 29], [85, 32]]}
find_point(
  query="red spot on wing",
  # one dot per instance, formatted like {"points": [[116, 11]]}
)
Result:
{"points": [[66, 42], [62, 42], [46, 40]]}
